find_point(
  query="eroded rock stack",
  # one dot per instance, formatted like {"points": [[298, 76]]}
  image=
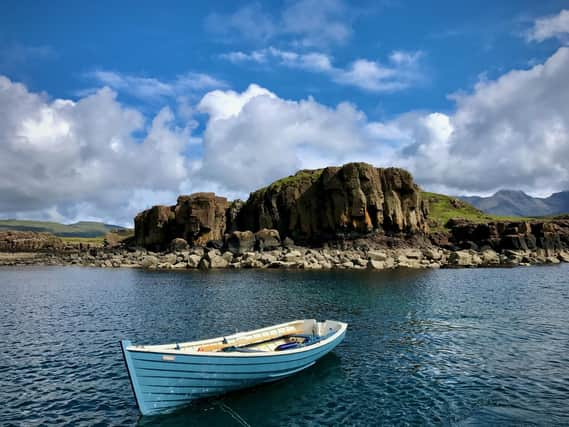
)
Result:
{"points": [[310, 206], [323, 204], [197, 219]]}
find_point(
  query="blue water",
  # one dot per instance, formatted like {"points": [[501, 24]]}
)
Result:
{"points": [[448, 347]]}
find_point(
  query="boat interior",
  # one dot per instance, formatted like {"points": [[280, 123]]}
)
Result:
{"points": [[286, 336]]}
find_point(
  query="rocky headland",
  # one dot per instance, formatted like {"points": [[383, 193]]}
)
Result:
{"points": [[351, 217]]}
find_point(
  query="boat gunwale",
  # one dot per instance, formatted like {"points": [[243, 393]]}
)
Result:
{"points": [[192, 353]]}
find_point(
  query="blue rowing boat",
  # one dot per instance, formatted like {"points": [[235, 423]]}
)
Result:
{"points": [[166, 377]]}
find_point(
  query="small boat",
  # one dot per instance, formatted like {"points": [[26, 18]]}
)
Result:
{"points": [[166, 377]]}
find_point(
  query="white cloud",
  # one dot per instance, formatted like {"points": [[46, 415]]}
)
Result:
{"points": [[79, 159], [401, 72], [511, 132], [306, 23], [264, 137], [550, 26], [63, 157], [149, 88]]}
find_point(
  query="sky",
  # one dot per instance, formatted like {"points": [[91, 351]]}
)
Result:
{"points": [[108, 108]]}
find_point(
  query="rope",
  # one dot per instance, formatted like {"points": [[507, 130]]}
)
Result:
{"points": [[240, 420]]}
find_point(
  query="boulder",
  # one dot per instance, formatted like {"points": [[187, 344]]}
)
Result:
{"points": [[433, 254], [376, 265], [170, 258], [564, 256], [228, 256], [415, 254], [178, 244], [464, 258], [377, 255], [490, 257], [240, 242], [267, 239], [149, 261], [218, 261], [292, 256], [194, 260]]}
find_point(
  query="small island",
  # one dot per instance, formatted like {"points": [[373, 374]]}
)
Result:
{"points": [[355, 216]]}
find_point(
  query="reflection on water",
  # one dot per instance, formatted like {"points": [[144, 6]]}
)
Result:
{"points": [[467, 347]]}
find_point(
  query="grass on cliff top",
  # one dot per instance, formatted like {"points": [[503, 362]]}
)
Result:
{"points": [[113, 237], [91, 240], [84, 229], [442, 208], [302, 175]]}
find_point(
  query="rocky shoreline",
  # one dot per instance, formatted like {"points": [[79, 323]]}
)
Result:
{"points": [[351, 217], [294, 257]]}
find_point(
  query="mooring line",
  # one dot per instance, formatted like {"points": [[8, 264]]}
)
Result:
{"points": [[234, 414]]}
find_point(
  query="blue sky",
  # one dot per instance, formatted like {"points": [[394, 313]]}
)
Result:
{"points": [[167, 91]]}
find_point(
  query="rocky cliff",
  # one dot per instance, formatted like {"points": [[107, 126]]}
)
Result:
{"points": [[551, 235], [29, 241], [347, 201], [197, 219], [310, 206]]}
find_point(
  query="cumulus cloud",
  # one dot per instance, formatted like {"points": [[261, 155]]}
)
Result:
{"points": [[79, 159], [511, 132], [551, 26], [254, 137], [401, 71], [304, 23]]}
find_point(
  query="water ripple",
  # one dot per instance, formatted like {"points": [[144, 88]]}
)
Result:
{"points": [[450, 347]]}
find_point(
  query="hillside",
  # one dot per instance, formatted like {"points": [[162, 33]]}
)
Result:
{"points": [[83, 229], [518, 203], [442, 208]]}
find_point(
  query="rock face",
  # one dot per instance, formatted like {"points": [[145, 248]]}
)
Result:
{"points": [[355, 199], [506, 235], [197, 219], [28, 241]]}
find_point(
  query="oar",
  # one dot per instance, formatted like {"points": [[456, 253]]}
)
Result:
{"points": [[251, 340]]}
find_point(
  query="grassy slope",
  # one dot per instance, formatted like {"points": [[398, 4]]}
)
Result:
{"points": [[301, 175], [442, 208], [78, 230]]}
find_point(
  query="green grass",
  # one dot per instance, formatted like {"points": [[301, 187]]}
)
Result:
{"points": [[91, 240], [82, 229], [302, 175], [442, 208]]}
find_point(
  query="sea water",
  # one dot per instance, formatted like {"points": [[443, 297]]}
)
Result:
{"points": [[447, 347]]}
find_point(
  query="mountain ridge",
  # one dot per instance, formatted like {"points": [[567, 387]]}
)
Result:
{"points": [[517, 203], [83, 229]]}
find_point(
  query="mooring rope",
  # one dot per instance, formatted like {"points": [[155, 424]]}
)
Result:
{"points": [[233, 414]]}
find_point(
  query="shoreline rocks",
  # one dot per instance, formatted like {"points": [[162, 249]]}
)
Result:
{"points": [[295, 257]]}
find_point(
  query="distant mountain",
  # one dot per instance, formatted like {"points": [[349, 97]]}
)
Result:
{"points": [[79, 229], [518, 203]]}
